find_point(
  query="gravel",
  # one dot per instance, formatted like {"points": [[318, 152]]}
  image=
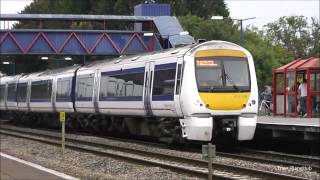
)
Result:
{"points": [[81, 165]]}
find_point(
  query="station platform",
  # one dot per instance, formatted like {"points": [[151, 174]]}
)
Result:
{"points": [[297, 128], [12, 168]]}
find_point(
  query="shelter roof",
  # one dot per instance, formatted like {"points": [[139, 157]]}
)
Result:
{"points": [[300, 64], [280, 69], [312, 63]]}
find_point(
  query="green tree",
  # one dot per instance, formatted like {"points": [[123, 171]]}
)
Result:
{"points": [[294, 34], [315, 34], [201, 28], [266, 55]]}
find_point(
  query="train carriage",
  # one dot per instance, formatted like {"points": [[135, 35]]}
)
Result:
{"points": [[198, 92]]}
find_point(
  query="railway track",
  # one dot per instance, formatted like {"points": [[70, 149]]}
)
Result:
{"points": [[310, 162], [188, 165], [269, 157]]}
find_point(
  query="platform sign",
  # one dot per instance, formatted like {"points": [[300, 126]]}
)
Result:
{"points": [[208, 153], [62, 116]]}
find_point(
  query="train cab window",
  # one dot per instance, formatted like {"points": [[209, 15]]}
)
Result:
{"points": [[11, 92], [22, 92], [41, 91], [2, 90], [85, 88], [222, 74], [163, 82], [63, 90], [122, 85]]}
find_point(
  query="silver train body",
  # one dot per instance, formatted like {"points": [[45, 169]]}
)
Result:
{"points": [[207, 88]]}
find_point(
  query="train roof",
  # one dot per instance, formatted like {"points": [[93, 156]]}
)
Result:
{"points": [[50, 73], [188, 49], [140, 57], [9, 79], [162, 53]]}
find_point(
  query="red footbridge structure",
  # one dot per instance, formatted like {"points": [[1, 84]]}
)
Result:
{"points": [[164, 31]]}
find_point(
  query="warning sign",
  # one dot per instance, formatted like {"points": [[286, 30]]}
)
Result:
{"points": [[62, 116]]}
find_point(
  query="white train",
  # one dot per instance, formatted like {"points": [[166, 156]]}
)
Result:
{"points": [[198, 92]]}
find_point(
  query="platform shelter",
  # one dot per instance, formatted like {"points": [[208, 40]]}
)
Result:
{"points": [[286, 81]]}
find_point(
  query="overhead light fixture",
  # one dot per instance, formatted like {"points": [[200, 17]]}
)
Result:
{"points": [[44, 58], [184, 33], [148, 34], [5, 62], [217, 17], [68, 58]]}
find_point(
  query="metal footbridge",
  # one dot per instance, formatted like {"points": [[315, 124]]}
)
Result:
{"points": [[164, 30]]}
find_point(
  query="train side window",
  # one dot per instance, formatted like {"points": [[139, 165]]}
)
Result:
{"points": [[163, 83], [122, 84], [85, 88], [63, 90], [41, 91], [120, 90], [178, 79], [11, 92], [22, 92], [111, 87], [103, 86], [134, 84], [2, 90], [129, 87]]}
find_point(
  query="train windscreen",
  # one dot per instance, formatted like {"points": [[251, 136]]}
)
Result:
{"points": [[222, 74]]}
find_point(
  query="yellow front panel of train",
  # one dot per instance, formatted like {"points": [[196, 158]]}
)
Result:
{"points": [[225, 101], [222, 100]]}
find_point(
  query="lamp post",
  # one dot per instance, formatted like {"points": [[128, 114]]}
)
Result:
{"points": [[239, 20], [13, 66], [182, 33]]}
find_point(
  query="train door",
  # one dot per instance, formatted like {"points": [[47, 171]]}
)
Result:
{"points": [[179, 76], [163, 89], [54, 93], [148, 77]]}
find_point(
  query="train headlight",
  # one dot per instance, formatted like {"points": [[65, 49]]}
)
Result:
{"points": [[253, 102]]}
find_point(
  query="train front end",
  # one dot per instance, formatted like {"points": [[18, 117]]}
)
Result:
{"points": [[226, 103]]}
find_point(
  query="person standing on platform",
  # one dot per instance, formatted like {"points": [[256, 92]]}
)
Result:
{"points": [[303, 97]]}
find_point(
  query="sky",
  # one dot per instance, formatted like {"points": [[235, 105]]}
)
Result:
{"points": [[265, 11]]}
